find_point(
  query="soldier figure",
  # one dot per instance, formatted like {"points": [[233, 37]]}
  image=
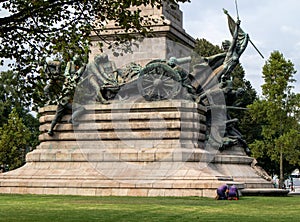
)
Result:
{"points": [[53, 72], [100, 74], [72, 76]]}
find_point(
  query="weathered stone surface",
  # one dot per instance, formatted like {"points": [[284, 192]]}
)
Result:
{"points": [[163, 161], [168, 39]]}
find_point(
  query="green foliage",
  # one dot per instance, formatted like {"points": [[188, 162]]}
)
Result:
{"points": [[19, 130], [205, 49], [277, 73], [289, 142], [14, 137], [277, 113], [11, 94], [33, 124], [32, 31]]}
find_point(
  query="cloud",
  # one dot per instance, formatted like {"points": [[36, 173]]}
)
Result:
{"points": [[271, 24], [290, 30]]}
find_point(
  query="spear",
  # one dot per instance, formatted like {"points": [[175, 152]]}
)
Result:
{"points": [[237, 10], [256, 48]]}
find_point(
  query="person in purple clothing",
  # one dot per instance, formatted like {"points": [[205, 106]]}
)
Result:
{"points": [[233, 193], [222, 192]]}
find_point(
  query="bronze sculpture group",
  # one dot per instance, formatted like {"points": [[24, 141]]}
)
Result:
{"points": [[100, 81]]}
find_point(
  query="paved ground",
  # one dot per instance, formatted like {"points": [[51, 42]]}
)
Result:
{"points": [[296, 191]]}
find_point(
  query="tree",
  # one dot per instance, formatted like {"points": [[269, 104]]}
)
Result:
{"points": [[12, 96], [205, 49], [32, 31], [277, 115], [14, 137]]}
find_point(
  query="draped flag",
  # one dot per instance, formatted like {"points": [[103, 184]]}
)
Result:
{"points": [[232, 27], [241, 34]]}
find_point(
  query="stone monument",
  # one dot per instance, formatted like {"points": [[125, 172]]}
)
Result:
{"points": [[155, 130], [168, 38]]}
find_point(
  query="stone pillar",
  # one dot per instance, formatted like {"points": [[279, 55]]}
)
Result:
{"points": [[167, 39]]}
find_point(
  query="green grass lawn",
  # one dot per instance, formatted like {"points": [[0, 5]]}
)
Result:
{"points": [[77, 208]]}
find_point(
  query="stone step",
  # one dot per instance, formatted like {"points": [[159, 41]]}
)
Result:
{"points": [[133, 155], [264, 192], [115, 135], [232, 159], [105, 183], [119, 155], [110, 178], [110, 191], [113, 117], [136, 144], [132, 106], [144, 125]]}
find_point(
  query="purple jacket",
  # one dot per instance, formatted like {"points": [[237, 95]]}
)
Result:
{"points": [[222, 188], [233, 191]]}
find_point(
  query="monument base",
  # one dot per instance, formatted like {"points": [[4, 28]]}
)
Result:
{"points": [[130, 149], [83, 179]]}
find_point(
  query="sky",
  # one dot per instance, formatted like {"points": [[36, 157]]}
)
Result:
{"points": [[271, 24]]}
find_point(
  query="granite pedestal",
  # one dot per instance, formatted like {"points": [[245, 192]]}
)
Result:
{"points": [[130, 149]]}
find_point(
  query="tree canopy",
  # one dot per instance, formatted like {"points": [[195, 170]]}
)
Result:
{"points": [[278, 114], [13, 97], [14, 137], [11, 94], [31, 31]]}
